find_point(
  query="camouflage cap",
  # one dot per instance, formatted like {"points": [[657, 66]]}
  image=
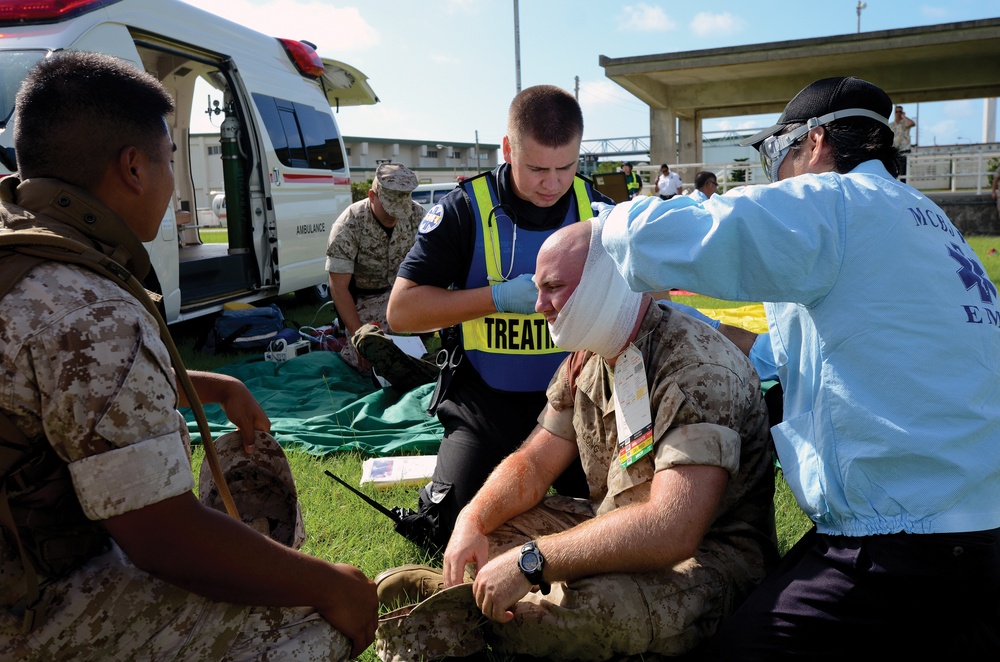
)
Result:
{"points": [[447, 624], [393, 184], [261, 484]]}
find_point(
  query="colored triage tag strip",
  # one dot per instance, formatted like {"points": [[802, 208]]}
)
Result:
{"points": [[632, 414]]}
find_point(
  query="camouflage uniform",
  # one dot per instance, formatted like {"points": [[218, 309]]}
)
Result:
{"points": [[707, 410], [82, 366], [359, 245]]}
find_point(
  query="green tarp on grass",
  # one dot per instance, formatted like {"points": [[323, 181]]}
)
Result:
{"points": [[318, 404]]}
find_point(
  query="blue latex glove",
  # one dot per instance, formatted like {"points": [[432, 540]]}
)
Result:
{"points": [[602, 210], [515, 296]]}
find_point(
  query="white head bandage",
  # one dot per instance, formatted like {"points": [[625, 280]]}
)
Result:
{"points": [[601, 312]]}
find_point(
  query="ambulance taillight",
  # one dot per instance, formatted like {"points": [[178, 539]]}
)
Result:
{"points": [[304, 57], [19, 12]]}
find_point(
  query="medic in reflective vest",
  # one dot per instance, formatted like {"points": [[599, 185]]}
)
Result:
{"points": [[511, 352]]}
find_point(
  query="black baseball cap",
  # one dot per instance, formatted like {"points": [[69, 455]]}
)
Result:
{"points": [[828, 96]]}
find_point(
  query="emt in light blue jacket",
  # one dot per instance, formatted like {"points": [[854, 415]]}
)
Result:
{"points": [[885, 333]]}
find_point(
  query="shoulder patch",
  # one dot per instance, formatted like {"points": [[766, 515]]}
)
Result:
{"points": [[432, 219]]}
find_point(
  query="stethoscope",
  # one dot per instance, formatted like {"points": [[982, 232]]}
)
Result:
{"points": [[509, 213]]}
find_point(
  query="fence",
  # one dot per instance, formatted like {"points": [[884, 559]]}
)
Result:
{"points": [[935, 169]]}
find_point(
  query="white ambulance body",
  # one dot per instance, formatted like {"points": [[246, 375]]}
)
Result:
{"points": [[283, 159]]}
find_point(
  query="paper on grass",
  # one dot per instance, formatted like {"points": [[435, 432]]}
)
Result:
{"points": [[384, 472]]}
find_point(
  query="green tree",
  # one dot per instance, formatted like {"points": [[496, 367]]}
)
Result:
{"points": [[739, 175], [359, 190], [608, 166]]}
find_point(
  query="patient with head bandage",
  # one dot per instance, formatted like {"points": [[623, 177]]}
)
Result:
{"points": [[586, 301]]}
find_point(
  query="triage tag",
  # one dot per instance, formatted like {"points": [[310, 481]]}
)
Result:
{"points": [[632, 415]]}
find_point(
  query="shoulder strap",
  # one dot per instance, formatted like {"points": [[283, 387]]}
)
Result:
{"points": [[485, 199], [581, 191], [50, 246]]}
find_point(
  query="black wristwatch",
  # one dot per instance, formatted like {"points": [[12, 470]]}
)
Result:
{"points": [[531, 562]]}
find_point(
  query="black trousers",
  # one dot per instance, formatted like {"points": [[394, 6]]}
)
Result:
{"points": [[899, 596], [482, 426]]}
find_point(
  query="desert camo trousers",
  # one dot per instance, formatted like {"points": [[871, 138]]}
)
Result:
{"points": [[601, 617], [109, 621]]}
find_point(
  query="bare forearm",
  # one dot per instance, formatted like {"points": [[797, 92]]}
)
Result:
{"points": [[641, 537], [422, 308], [344, 302], [219, 558], [517, 484], [210, 386]]}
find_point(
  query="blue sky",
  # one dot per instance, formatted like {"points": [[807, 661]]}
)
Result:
{"points": [[445, 69]]}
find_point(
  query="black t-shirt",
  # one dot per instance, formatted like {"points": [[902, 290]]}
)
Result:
{"points": [[442, 252]]}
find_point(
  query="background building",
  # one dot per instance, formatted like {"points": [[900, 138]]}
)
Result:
{"points": [[433, 162]]}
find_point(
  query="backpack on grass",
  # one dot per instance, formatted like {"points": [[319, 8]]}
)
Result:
{"points": [[244, 330]]}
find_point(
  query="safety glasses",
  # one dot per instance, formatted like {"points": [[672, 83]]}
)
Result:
{"points": [[774, 149]]}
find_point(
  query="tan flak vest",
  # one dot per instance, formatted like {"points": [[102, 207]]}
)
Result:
{"points": [[38, 508]]}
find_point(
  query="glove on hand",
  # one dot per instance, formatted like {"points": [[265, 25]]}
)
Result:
{"points": [[602, 210], [515, 296]]}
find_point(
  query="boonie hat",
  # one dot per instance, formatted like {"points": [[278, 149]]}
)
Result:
{"points": [[393, 185], [447, 624], [261, 484], [827, 96]]}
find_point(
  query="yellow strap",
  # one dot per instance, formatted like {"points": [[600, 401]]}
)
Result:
{"points": [[582, 199], [491, 238]]}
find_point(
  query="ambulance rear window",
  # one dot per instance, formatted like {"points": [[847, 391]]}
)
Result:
{"points": [[303, 136], [14, 66]]}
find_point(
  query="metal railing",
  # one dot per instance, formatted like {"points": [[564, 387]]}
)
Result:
{"points": [[730, 175], [955, 171], [959, 171]]}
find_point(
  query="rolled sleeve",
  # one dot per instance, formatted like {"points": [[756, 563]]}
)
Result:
{"points": [[699, 443], [558, 421], [342, 246], [558, 414], [145, 472], [336, 265]]}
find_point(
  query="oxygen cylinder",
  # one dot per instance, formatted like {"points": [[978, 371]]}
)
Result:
{"points": [[234, 176]]}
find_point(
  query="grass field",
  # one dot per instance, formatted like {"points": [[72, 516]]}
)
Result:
{"points": [[342, 528]]}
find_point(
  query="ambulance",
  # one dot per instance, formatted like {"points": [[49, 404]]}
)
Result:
{"points": [[282, 155]]}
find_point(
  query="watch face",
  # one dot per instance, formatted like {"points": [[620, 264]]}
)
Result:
{"points": [[529, 562]]}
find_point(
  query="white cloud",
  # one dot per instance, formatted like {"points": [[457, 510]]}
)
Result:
{"points": [[372, 121], [962, 109], [645, 18], [737, 124], [944, 132], [725, 24], [601, 91], [335, 30]]}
